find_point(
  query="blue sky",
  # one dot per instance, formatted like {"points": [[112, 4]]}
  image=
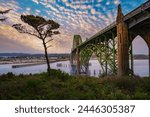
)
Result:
{"points": [[84, 17]]}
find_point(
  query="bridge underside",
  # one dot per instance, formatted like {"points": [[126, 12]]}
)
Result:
{"points": [[104, 47], [105, 50], [113, 46]]}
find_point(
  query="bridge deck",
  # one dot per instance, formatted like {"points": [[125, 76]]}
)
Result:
{"points": [[128, 16]]}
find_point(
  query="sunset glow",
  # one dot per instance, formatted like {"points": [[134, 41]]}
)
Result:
{"points": [[83, 17]]}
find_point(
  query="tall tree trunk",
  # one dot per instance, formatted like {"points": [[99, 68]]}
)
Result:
{"points": [[46, 56]]}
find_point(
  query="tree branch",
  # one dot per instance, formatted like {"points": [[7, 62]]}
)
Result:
{"points": [[31, 34], [49, 46], [3, 19], [22, 29], [49, 41], [40, 35], [6, 11]]}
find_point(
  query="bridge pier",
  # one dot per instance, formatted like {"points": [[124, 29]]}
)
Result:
{"points": [[147, 39], [131, 54], [78, 61], [148, 42], [123, 44], [149, 62], [71, 58]]}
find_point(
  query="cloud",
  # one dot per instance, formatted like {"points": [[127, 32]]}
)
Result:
{"points": [[116, 2], [13, 16], [36, 1], [9, 45], [93, 11], [75, 17], [13, 34]]}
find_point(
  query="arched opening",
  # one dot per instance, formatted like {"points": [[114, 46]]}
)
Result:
{"points": [[89, 63], [95, 68], [140, 57], [98, 60]]}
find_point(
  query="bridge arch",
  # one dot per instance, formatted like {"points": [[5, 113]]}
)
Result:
{"points": [[86, 54], [104, 54], [137, 42], [141, 36]]}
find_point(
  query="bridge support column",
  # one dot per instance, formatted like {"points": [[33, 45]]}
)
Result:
{"points": [[149, 61], [106, 55], [146, 36], [123, 44], [131, 52], [78, 61], [71, 58]]}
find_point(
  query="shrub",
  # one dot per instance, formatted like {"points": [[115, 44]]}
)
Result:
{"points": [[146, 85], [59, 74], [141, 96], [127, 84]]}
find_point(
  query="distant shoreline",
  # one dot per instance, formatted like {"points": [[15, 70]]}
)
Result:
{"points": [[27, 64], [33, 63]]}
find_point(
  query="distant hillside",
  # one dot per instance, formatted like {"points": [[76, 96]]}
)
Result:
{"points": [[13, 54], [141, 57], [138, 56], [55, 55], [31, 55]]}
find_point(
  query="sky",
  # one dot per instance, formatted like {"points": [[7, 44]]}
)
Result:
{"points": [[83, 17]]}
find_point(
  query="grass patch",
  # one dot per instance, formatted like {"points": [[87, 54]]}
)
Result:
{"points": [[65, 87]]}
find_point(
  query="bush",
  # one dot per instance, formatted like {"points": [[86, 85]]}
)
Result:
{"points": [[59, 74], [141, 96], [126, 84], [146, 84], [62, 86]]}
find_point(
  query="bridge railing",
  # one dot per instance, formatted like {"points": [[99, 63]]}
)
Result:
{"points": [[129, 15], [108, 27], [136, 11], [112, 25]]}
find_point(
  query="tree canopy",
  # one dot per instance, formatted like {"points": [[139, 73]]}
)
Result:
{"points": [[42, 28], [4, 12]]}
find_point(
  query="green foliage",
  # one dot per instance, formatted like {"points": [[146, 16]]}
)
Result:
{"points": [[139, 95], [8, 75], [4, 12], [32, 20], [146, 85], [62, 86], [59, 74], [42, 28], [127, 84]]}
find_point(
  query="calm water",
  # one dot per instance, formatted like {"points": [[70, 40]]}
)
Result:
{"points": [[140, 68]]}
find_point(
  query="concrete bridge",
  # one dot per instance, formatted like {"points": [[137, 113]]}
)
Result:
{"points": [[113, 45]]}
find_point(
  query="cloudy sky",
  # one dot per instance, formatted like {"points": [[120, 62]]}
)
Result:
{"points": [[84, 17]]}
